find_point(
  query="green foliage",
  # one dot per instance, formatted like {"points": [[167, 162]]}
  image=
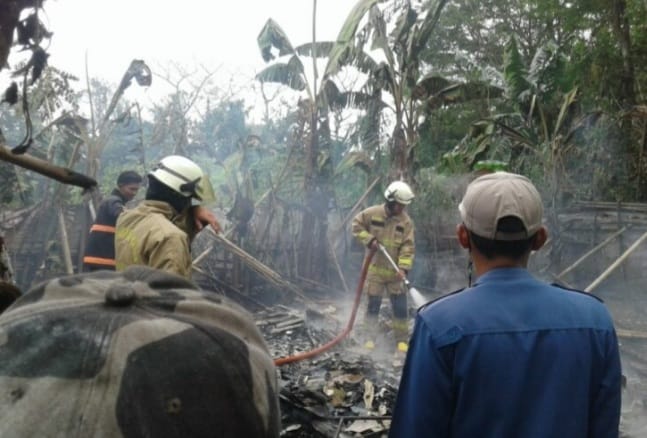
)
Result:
{"points": [[355, 159], [273, 36], [491, 166], [514, 70], [290, 74], [435, 210]]}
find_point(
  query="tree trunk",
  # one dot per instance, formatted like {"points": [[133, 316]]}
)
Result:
{"points": [[622, 30], [399, 155]]}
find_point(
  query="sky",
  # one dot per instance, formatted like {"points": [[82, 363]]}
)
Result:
{"points": [[220, 36]]}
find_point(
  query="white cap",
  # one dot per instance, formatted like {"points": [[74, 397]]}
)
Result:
{"points": [[497, 195]]}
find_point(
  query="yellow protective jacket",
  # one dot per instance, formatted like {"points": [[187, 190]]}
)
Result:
{"points": [[396, 233], [148, 235]]}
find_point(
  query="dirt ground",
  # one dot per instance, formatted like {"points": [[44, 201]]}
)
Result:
{"points": [[628, 305]]}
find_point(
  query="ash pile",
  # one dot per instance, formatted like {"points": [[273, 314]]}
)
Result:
{"points": [[346, 391]]}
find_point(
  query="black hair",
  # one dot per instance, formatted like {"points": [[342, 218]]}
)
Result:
{"points": [[514, 249], [157, 191], [129, 177]]}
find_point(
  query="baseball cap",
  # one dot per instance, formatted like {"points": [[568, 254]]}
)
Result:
{"points": [[496, 195], [135, 353]]}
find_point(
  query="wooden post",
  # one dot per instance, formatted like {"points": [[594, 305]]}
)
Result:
{"points": [[338, 267], [620, 240], [65, 244]]}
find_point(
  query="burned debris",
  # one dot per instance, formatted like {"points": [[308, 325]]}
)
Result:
{"points": [[343, 392]]}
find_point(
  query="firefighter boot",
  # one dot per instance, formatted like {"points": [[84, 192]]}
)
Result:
{"points": [[371, 323], [370, 331], [400, 323], [401, 334]]}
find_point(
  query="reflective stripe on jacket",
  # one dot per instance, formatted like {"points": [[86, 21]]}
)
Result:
{"points": [[396, 233], [100, 248], [147, 235]]}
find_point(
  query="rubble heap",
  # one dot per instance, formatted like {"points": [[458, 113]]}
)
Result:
{"points": [[344, 392]]}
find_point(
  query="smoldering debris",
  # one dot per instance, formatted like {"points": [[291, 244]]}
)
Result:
{"points": [[343, 392], [338, 396]]}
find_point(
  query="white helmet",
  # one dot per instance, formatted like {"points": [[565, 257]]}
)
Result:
{"points": [[184, 177], [400, 192]]}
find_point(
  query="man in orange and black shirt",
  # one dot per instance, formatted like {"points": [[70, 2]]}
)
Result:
{"points": [[100, 248]]}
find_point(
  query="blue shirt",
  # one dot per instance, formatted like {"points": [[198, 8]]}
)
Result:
{"points": [[511, 357]]}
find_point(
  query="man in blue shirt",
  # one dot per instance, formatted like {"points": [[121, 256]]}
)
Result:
{"points": [[509, 356]]}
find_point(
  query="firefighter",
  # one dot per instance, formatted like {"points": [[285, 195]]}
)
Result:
{"points": [[100, 248], [159, 231], [387, 224]]}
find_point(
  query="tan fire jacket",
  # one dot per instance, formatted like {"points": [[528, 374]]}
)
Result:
{"points": [[147, 235], [396, 233]]}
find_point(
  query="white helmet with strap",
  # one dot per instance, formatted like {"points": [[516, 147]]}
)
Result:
{"points": [[184, 177], [400, 192]]}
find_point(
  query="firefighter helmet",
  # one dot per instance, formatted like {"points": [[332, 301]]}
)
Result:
{"points": [[184, 177], [400, 192]]}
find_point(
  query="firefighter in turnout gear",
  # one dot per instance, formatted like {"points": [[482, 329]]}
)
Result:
{"points": [[100, 248], [387, 224], [158, 232]]}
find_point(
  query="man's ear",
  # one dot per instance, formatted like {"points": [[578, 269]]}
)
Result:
{"points": [[540, 239], [463, 236]]}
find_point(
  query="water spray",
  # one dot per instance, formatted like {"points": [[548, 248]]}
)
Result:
{"points": [[416, 296]]}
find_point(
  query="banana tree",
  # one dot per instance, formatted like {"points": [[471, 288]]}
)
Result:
{"points": [[394, 64], [311, 132], [544, 135]]}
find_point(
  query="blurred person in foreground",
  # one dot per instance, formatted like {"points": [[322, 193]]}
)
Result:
{"points": [[138, 353], [509, 356], [390, 225], [159, 231], [100, 248]]}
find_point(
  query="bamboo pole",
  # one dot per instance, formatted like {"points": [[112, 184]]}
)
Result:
{"points": [[615, 264], [202, 255], [591, 252], [562, 282], [61, 174], [257, 266], [623, 333]]}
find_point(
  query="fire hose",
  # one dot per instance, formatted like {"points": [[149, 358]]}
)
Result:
{"points": [[358, 297]]}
